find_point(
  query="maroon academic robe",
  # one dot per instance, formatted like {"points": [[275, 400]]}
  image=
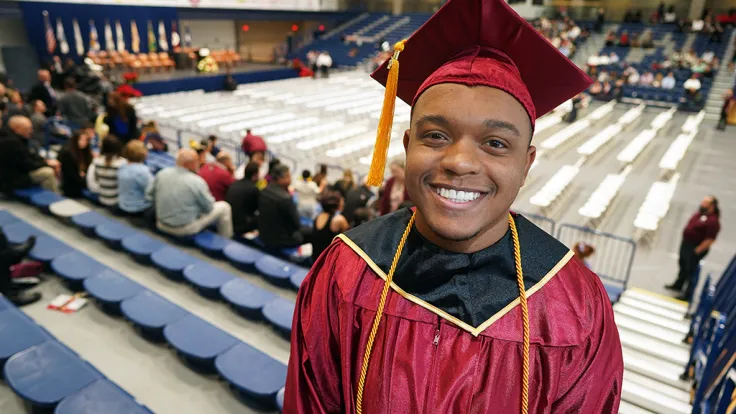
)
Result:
{"points": [[425, 360]]}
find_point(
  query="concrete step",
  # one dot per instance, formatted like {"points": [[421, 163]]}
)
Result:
{"points": [[653, 309], [657, 299], [664, 335], [651, 346], [628, 408], [681, 328], [655, 368], [656, 397]]}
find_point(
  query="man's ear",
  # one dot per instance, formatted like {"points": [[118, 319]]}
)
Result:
{"points": [[531, 155], [406, 139]]}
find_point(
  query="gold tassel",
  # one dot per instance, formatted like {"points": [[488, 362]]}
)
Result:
{"points": [[385, 122]]}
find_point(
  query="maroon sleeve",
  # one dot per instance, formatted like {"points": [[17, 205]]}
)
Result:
{"points": [[313, 383], [594, 385], [712, 227]]}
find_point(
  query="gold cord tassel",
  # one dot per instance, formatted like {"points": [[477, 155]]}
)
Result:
{"points": [[385, 122]]}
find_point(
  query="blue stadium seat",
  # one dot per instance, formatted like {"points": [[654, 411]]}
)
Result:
{"points": [[614, 292], [102, 396], [5, 304], [19, 333], [7, 218], [151, 313], [211, 243], [93, 197], [47, 373], [207, 279], [141, 246], [280, 399], [280, 312], [110, 288], [44, 199], [47, 249], [113, 232], [172, 261], [26, 193], [198, 341], [298, 277], [277, 271], [242, 256], [252, 373], [246, 298], [88, 221], [67, 208], [20, 231], [75, 266]]}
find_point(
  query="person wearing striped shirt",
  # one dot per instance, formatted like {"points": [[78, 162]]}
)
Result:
{"points": [[102, 176]]}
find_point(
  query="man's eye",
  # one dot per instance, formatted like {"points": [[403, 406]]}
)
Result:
{"points": [[435, 136], [494, 143]]}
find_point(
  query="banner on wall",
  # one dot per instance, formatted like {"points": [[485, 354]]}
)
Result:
{"points": [[151, 38], [293, 5], [94, 43], [78, 42], [135, 39], [49, 33], [109, 41], [163, 43], [61, 37], [119, 36], [175, 38]]}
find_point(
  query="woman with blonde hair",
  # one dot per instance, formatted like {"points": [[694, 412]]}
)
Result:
{"points": [[346, 184]]}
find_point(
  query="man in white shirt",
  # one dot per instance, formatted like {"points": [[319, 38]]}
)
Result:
{"points": [[698, 25], [613, 58], [708, 56], [668, 82], [324, 62], [692, 85]]}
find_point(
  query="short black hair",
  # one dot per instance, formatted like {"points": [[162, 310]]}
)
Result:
{"points": [[111, 145], [212, 138], [306, 174], [251, 169], [279, 171], [70, 83]]}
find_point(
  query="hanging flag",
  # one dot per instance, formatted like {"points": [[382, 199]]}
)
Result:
{"points": [[109, 41], [63, 45], [163, 42], [135, 39], [175, 39], [187, 37], [120, 37], [94, 44], [78, 42], [151, 38], [50, 39]]}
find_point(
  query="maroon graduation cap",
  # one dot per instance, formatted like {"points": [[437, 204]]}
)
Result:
{"points": [[475, 43]]}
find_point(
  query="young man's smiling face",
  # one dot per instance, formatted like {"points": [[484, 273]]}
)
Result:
{"points": [[467, 155]]}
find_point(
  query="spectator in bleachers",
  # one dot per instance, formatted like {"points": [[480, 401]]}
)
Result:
{"points": [[677, 58], [394, 190], [600, 20], [708, 56], [613, 58], [346, 183], [229, 84], [306, 192], [219, 175], [74, 105], [38, 118], [583, 251], [646, 40], [670, 16], [632, 75], [312, 62], [324, 62], [604, 76], [698, 25], [634, 40], [184, 205], [44, 92], [133, 180], [692, 85], [329, 223], [102, 175], [623, 41], [697, 238], [668, 82], [646, 79], [20, 164], [356, 199], [278, 219], [121, 118], [212, 147], [728, 110], [610, 38], [10, 256], [321, 175], [15, 106], [690, 59], [75, 158], [254, 147], [715, 32], [243, 199]]}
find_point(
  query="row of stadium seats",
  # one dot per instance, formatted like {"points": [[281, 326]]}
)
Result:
{"points": [[251, 373], [557, 140], [48, 375], [677, 150]]}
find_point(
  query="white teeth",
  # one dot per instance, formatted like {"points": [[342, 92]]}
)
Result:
{"points": [[457, 196]]}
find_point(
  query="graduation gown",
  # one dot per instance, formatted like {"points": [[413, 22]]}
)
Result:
{"points": [[450, 340]]}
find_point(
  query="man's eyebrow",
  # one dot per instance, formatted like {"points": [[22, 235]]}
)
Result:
{"points": [[432, 119], [498, 124], [489, 124]]}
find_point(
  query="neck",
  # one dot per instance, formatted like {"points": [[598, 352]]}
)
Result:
{"points": [[485, 238]]}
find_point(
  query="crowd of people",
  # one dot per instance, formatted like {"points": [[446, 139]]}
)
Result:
{"points": [[563, 33]]}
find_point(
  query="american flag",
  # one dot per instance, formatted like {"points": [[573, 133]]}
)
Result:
{"points": [[50, 38]]}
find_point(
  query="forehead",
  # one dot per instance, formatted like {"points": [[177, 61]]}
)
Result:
{"points": [[472, 104]]}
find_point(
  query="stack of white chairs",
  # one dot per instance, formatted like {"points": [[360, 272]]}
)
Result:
{"points": [[656, 205], [606, 136], [632, 151], [677, 150], [599, 202], [553, 189]]}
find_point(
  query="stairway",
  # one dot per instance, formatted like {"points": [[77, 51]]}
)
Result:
{"points": [[724, 80], [594, 44], [651, 328], [343, 27]]}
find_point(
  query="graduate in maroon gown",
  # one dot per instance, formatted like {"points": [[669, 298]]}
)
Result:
{"points": [[458, 305]]}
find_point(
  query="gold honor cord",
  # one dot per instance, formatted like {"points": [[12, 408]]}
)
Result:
{"points": [[382, 303]]}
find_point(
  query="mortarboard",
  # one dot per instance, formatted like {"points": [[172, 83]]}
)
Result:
{"points": [[475, 43]]}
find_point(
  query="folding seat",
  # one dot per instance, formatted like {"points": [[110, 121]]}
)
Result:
{"points": [[252, 374], [275, 270], [110, 289], [150, 313], [242, 256], [19, 332], [211, 243], [141, 246], [47, 249], [172, 262], [198, 341], [113, 232], [280, 313], [102, 396], [246, 298], [207, 279], [87, 222], [75, 266]]}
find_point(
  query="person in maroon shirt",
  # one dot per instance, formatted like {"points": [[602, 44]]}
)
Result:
{"points": [[219, 175], [697, 238]]}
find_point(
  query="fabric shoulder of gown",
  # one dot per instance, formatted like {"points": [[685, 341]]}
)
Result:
{"points": [[424, 361]]}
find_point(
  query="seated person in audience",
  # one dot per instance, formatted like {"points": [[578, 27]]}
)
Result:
{"points": [[715, 33], [329, 223], [212, 145], [278, 220], [355, 199], [624, 39], [677, 58], [394, 189], [42, 91], [15, 106], [74, 105], [121, 118], [646, 79], [155, 142], [699, 67], [698, 25], [670, 16], [613, 58], [219, 175], [306, 192], [184, 205], [595, 89], [604, 76], [10, 256], [75, 158], [243, 199], [321, 175], [102, 175], [20, 164], [254, 147], [690, 59], [583, 251], [610, 38], [38, 119], [708, 56], [692, 85], [668, 82], [635, 41], [657, 83], [346, 184], [134, 178], [632, 76], [646, 41], [362, 215]]}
